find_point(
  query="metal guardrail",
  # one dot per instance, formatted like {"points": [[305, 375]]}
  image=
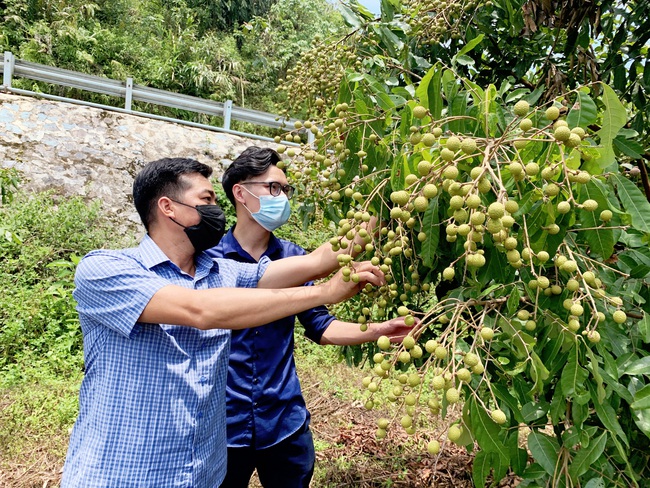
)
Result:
{"points": [[12, 67]]}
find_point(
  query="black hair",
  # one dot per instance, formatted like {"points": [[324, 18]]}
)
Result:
{"points": [[253, 161], [163, 178]]}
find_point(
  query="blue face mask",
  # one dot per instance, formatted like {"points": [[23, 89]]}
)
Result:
{"points": [[273, 212]]}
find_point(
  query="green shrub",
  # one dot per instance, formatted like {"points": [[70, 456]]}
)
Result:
{"points": [[42, 238]]}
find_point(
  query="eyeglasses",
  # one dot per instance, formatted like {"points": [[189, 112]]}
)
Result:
{"points": [[274, 187]]}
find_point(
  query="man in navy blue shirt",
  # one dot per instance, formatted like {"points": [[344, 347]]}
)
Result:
{"points": [[267, 419]]}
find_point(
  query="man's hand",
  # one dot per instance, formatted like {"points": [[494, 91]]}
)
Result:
{"points": [[340, 290], [395, 329]]}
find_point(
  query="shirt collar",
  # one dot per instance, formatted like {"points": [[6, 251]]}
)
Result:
{"points": [[152, 256], [231, 247]]}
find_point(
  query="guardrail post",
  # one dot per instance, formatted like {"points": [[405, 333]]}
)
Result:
{"points": [[310, 138], [8, 69], [227, 112], [129, 94]]}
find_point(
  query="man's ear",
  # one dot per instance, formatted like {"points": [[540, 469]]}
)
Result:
{"points": [[165, 207], [238, 193]]}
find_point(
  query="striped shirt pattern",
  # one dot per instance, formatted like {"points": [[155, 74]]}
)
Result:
{"points": [[152, 402]]}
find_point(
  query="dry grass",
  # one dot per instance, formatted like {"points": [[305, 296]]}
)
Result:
{"points": [[348, 454]]}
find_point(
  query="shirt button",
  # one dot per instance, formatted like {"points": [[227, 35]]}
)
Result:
{"points": [[255, 404], [203, 380], [257, 332], [255, 380]]}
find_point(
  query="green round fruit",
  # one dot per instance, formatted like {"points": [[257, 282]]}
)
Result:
{"points": [[428, 139], [471, 359], [496, 210], [450, 173], [526, 124], [619, 316], [440, 352], [468, 146], [464, 375], [421, 204], [521, 108], [433, 447], [606, 215], [523, 314], [563, 207], [383, 343], [424, 167], [419, 112], [452, 395], [447, 155], [487, 333], [430, 190], [453, 143], [408, 342], [552, 113], [532, 169], [454, 433], [400, 197], [562, 133], [590, 205], [498, 416], [449, 273], [593, 336], [406, 421]]}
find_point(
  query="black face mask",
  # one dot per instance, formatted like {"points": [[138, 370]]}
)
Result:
{"points": [[209, 231]]}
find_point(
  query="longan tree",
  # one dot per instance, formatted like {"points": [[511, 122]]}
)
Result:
{"points": [[510, 228]]}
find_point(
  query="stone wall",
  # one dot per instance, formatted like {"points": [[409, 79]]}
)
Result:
{"points": [[79, 150]]}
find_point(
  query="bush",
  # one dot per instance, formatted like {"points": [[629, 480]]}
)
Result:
{"points": [[43, 236]]}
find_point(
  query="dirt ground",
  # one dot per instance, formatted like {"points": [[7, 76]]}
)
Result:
{"points": [[348, 454]]}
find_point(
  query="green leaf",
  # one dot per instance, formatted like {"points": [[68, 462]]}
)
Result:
{"points": [[573, 376], [538, 372], [642, 399], [583, 113], [642, 420], [487, 431], [587, 456], [641, 366], [429, 91], [634, 203], [350, 17], [471, 45], [595, 372], [544, 451], [630, 148], [644, 327], [513, 300], [601, 241], [595, 483], [607, 415], [482, 467], [614, 119], [502, 393], [430, 226]]}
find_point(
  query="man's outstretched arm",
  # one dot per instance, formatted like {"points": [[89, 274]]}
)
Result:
{"points": [[238, 308]]}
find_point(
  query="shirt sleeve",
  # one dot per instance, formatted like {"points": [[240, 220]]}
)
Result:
{"points": [[315, 320], [113, 289]]}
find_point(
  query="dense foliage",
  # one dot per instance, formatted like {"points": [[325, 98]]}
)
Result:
{"points": [[512, 225], [42, 237], [218, 50]]}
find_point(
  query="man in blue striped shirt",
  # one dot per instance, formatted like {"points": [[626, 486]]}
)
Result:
{"points": [[152, 403], [267, 419]]}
